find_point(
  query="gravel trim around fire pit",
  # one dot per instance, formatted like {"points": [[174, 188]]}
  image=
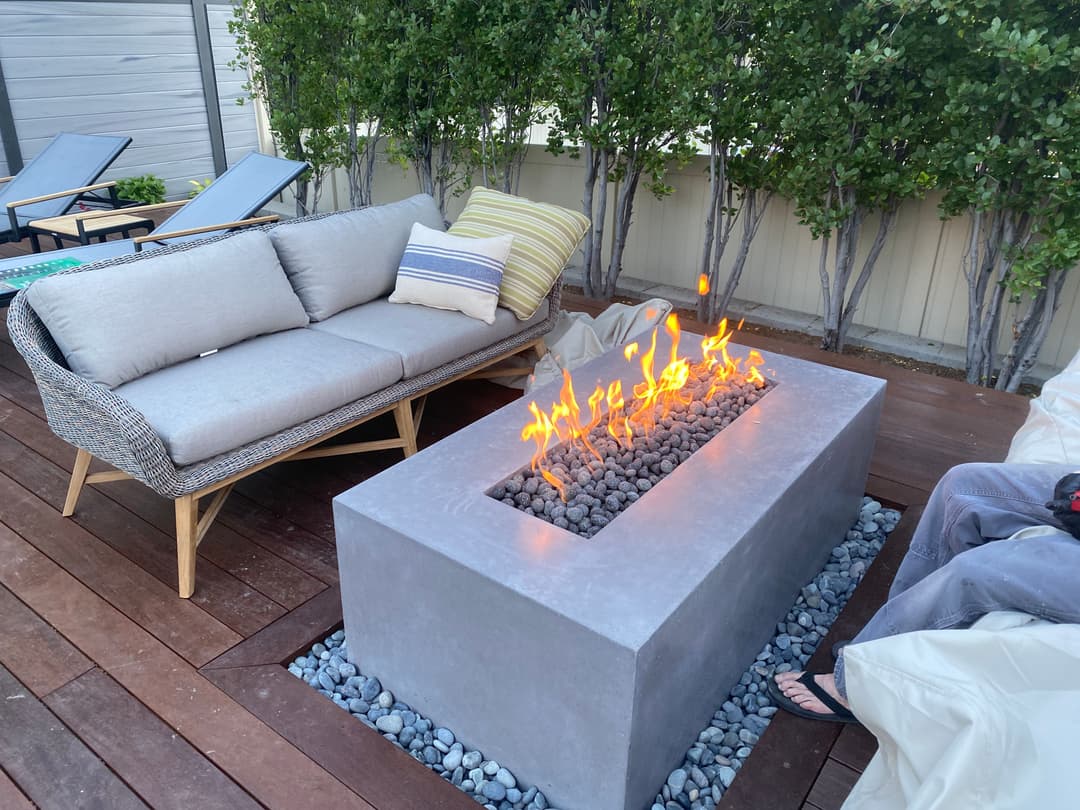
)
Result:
{"points": [[710, 764]]}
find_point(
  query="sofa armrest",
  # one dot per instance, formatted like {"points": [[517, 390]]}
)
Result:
{"points": [[86, 414]]}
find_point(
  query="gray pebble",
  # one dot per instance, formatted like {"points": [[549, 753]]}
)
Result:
{"points": [[390, 724]]}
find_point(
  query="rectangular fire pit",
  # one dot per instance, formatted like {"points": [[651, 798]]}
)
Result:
{"points": [[587, 666]]}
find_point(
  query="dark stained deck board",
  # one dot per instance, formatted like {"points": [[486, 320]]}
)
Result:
{"points": [[288, 636], [282, 516], [314, 555], [184, 626], [833, 785], [33, 652], [854, 747], [252, 754], [338, 741], [48, 762], [230, 601], [11, 798], [255, 572], [160, 765]]}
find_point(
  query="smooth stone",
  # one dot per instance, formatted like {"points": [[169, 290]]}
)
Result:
{"points": [[496, 791], [385, 700], [726, 776], [445, 736], [472, 759], [491, 767], [370, 689], [452, 759], [505, 778], [390, 724], [677, 781]]}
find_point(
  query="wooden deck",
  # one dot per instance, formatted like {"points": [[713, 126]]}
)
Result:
{"points": [[117, 694]]}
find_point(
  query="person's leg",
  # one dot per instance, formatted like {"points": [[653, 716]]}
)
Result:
{"points": [[938, 585], [972, 505], [1037, 576]]}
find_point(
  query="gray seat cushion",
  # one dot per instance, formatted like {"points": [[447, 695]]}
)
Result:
{"points": [[351, 257], [254, 389], [116, 323], [424, 337]]}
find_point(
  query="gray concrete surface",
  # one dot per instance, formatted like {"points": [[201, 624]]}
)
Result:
{"points": [[587, 666]]}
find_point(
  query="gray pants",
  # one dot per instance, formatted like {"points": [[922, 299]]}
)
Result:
{"points": [[954, 573]]}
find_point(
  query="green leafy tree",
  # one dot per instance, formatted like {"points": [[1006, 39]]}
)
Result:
{"points": [[747, 153], [624, 101], [1010, 158], [415, 77], [290, 49], [505, 72], [856, 77]]}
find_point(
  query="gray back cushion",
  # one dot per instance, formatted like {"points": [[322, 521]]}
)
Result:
{"points": [[351, 257], [117, 323]]}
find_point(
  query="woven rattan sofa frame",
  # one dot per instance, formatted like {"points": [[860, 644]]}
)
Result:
{"points": [[102, 425]]}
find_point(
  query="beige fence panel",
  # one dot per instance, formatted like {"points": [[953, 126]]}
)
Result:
{"points": [[917, 290]]}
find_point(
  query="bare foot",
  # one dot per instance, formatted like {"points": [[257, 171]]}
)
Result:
{"points": [[803, 697]]}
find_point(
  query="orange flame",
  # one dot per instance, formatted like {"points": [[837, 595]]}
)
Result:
{"points": [[654, 397], [703, 284]]}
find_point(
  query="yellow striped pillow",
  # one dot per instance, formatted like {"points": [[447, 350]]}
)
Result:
{"points": [[545, 236]]}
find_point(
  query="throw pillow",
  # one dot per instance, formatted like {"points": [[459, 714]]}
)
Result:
{"points": [[452, 272], [545, 236]]}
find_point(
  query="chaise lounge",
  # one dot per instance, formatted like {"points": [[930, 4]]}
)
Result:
{"points": [[230, 202]]}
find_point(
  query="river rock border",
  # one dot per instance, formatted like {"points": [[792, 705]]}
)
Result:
{"points": [[711, 763]]}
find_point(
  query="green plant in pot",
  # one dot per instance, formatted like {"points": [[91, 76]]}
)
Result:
{"points": [[147, 189]]}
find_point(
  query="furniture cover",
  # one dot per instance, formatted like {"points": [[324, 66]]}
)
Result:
{"points": [[987, 716]]}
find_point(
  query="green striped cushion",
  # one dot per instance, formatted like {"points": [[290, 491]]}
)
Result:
{"points": [[545, 236]]}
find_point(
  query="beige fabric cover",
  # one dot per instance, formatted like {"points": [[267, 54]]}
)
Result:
{"points": [[1051, 432], [985, 717], [578, 338], [977, 718]]}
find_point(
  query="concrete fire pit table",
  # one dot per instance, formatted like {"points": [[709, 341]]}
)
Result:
{"points": [[588, 665]]}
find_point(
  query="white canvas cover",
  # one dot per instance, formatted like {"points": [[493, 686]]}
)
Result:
{"points": [[987, 717], [980, 718]]}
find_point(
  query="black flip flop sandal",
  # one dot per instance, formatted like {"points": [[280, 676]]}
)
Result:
{"points": [[839, 713]]}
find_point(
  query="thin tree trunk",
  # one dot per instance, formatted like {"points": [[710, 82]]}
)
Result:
{"points": [[888, 217], [595, 269], [624, 210], [752, 213], [591, 165], [1031, 332], [847, 241], [716, 186]]}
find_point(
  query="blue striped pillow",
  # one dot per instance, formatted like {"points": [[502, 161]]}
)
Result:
{"points": [[452, 272]]}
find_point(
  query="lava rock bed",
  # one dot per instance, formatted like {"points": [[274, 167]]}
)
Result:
{"points": [[711, 762], [597, 491]]}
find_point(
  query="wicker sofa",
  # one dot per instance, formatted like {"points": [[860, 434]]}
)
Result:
{"points": [[191, 367]]}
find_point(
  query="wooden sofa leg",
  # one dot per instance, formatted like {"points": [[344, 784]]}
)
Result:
{"points": [[540, 348], [403, 418], [78, 480], [187, 539]]}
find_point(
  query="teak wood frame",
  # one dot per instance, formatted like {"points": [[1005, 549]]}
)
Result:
{"points": [[191, 528]]}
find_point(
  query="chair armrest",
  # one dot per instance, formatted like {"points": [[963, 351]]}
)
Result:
{"points": [[58, 194], [136, 209], [6, 179], [223, 226], [11, 206]]}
